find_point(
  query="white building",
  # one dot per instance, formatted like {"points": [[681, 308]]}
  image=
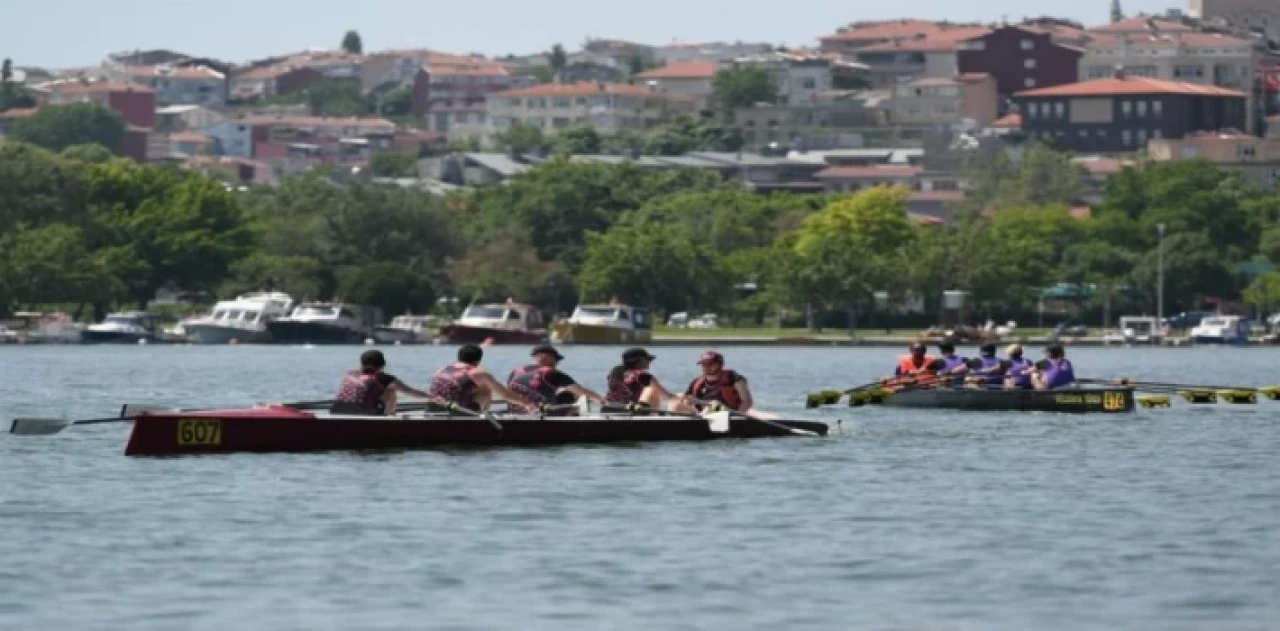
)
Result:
{"points": [[690, 78], [232, 137], [608, 107], [177, 85]]}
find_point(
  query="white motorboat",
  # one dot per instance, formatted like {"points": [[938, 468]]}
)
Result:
{"points": [[242, 320], [613, 323], [125, 327], [1220, 329], [405, 329], [1141, 330], [325, 323]]}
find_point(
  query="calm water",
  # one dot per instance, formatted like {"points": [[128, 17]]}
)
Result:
{"points": [[1166, 519]]}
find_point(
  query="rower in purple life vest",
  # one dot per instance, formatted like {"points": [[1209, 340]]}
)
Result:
{"points": [[466, 384], [631, 383], [541, 383], [371, 391], [1017, 374], [952, 365], [986, 370], [1055, 370]]}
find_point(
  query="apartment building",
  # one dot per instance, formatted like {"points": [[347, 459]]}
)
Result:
{"points": [[946, 102], [608, 107], [901, 51], [690, 78], [1120, 114], [676, 53], [270, 81], [135, 103], [1171, 51], [1258, 159], [1020, 58], [1259, 15], [177, 85]]}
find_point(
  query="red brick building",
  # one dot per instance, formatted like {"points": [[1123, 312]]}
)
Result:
{"points": [[135, 104], [1020, 59]]}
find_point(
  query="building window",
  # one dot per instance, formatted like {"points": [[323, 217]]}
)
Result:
{"points": [[1247, 152], [1157, 108], [1142, 109], [1127, 108], [1142, 137], [1030, 83], [1157, 134], [809, 83], [1084, 133], [1028, 44], [1029, 64], [1033, 110], [1060, 109], [1126, 137]]}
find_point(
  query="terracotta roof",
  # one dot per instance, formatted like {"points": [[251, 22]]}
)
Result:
{"points": [[268, 72], [1131, 85], [936, 196], [1100, 165], [1139, 25], [684, 70], [188, 136], [937, 42], [928, 220], [870, 172], [1174, 40], [889, 29], [76, 86], [586, 88], [18, 112], [173, 72], [1080, 212], [472, 68], [1010, 121], [933, 82]]}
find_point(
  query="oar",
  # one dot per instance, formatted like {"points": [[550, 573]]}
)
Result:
{"points": [[1140, 385], [722, 421], [46, 426], [832, 397], [454, 408]]}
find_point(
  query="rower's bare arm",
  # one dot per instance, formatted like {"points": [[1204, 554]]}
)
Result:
{"points": [[745, 393], [410, 390], [583, 392], [506, 393]]}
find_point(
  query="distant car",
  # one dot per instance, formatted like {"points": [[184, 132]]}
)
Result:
{"points": [[705, 321], [1186, 319]]}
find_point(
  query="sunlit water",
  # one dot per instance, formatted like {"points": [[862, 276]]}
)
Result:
{"points": [[1165, 519]]}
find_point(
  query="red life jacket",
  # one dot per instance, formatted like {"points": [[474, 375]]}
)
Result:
{"points": [[453, 384], [627, 389], [362, 389], [722, 390], [530, 382]]}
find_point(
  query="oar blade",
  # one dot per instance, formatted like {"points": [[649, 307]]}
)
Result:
{"points": [[130, 410], [718, 421], [37, 426]]}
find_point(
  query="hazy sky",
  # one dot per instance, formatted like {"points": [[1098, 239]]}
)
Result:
{"points": [[60, 33]]}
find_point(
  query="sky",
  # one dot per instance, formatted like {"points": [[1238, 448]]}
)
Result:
{"points": [[67, 33]]}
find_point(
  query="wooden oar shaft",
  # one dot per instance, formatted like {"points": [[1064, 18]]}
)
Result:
{"points": [[1165, 384]]}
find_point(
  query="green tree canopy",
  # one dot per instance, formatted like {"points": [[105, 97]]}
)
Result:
{"points": [[741, 86], [57, 127], [351, 43]]}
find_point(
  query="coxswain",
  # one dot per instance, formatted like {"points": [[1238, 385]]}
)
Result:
{"points": [[987, 369], [370, 390], [544, 385], [631, 383], [1018, 372], [916, 367], [466, 384], [719, 384], [1055, 370]]}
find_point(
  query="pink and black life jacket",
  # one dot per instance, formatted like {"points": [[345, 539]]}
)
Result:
{"points": [[453, 384], [530, 382], [362, 390], [627, 388]]}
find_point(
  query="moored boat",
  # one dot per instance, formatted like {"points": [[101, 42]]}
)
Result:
{"points": [[324, 323], [613, 323], [1073, 399], [243, 319], [1221, 330], [404, 329], [284, 429], [125, 327], [507, 323]]}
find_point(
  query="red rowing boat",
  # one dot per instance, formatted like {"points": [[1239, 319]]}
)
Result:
{"points": [[284, 429]]}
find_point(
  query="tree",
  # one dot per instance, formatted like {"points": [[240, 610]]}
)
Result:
{"points": [[648, 263], [557, 60], [51, 264], [394, 164], [506, 265], [580, 140], [1193, 270], [91, 153], [352, 44], [298, 276], [39, 187], [12, 94], [393, 287], [57, 127], [741, 86], [1264, 292], [397, 101], [520, 137], [1018, 252]]}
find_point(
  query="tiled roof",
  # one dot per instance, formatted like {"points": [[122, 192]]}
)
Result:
{"points": [[1139, 24], [318, 121], [684, 70], [870, 172], [472, 68], [1173, 40], [889, 29], [75, 86], [266, 72], [1131, 85], [935, 42], [936, 196], [173, 72], [187, 136], [1010, 121], [586, 88]]}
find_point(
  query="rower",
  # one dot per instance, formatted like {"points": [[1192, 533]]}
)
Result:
{"points": [[1018, 375], [719, 384], [467, 385], [952, 364], [541, 383], [1055, 370], [369, 390], [987, 369], [631, 383], [917, 367]]}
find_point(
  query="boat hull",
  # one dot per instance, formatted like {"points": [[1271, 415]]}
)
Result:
{"points": [[1067, 400], [567, 333], [280, 429], [285, 332], [388, 335], [213, 334], [116, 337], [1214, 340], [463, 334]]}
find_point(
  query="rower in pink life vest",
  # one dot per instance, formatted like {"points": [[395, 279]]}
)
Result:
{"points": [[717, 383], [541, 383], [631, 383], [371, 391], [466, 384]]}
